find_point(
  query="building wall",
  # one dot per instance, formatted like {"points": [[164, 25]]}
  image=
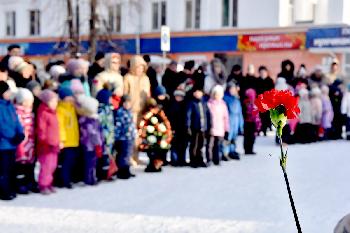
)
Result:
{"points": [[137, 14]]}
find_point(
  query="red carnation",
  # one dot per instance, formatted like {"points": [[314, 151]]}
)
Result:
{"points": [[274, 98]]}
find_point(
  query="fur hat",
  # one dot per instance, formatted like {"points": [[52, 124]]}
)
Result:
{"points": [[99, 55], [14, 62], [88, 106], [22, 95], [47, 95], [180, 92], [3, 88]]}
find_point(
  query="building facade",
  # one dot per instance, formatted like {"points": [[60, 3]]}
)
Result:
{"points": [[200, 29]]}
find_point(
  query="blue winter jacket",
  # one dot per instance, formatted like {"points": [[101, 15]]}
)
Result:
{"points": [[193, 119], [235, 114], [11, 130]]}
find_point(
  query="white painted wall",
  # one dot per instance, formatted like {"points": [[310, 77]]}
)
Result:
{"points": [[251, 14]]}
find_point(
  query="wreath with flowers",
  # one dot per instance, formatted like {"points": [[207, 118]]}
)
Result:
{"points": [[154, 131]]}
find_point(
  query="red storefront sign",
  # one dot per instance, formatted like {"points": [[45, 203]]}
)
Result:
{"points": [[263, 42]]}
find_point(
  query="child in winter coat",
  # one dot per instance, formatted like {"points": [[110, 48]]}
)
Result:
{"points": [[303, 132], [220, 125], [316, 109], [125, 134], [252, 121], [105, 113], [48, 139], [327, 112], [177, 118], [345, 110], [69, 136], [11, 135], [236, 119], [198, 123], [91, 137], [25, 154]]}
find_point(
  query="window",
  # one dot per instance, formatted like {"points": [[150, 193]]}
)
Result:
{"points": [[193, 13], [229, 13], [114, 18], [158, 14], [10, 23], [34, 19]]}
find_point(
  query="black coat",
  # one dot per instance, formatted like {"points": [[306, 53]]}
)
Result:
{"points": [[152, 75], [266, 84], [177, 116], [94, 70], [171, 80]]}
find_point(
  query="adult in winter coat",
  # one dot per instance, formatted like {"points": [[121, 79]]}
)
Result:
{"points": [[236, 121], [236, 74], [20, 71], [316, 109], [303, 132], [11, 134], [345, 110], [327, 112], [265, 84], [171, 79], [138, 87], [96, 67], [336, 96], [110, 76], [220, 125], [217, 76], [25, 154], [287, 71]]}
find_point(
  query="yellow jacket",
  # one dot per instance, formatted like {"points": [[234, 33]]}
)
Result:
{"points": [[68, 124]]}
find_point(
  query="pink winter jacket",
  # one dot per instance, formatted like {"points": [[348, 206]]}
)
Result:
{"points": [[220, 118], [48, 134]]}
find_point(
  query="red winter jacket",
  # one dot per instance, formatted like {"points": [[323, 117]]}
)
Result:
{"points": [[47, 130]]}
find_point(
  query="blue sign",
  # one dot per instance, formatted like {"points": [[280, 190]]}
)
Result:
{"points": [[328, 37]]}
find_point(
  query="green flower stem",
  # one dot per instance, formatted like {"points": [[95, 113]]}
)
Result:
{"points": [[283, 164]]}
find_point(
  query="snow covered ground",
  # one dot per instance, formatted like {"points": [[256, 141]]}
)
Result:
{"points": [[237, 197]]}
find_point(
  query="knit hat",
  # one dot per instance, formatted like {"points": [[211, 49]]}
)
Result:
{"points": [[103, 96], [250, 94], [63, 92], [14, 62], [3, 88], [197, 87], [47, 95], [88, 106], [303, 93], [160, 90], [76, 86], [189, 65], [179, 92], [22, 95], [32, 85], [230, 85], [217, 89], [56, 71]]}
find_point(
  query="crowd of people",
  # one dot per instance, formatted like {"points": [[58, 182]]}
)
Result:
{"points": [[78, 122]]}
